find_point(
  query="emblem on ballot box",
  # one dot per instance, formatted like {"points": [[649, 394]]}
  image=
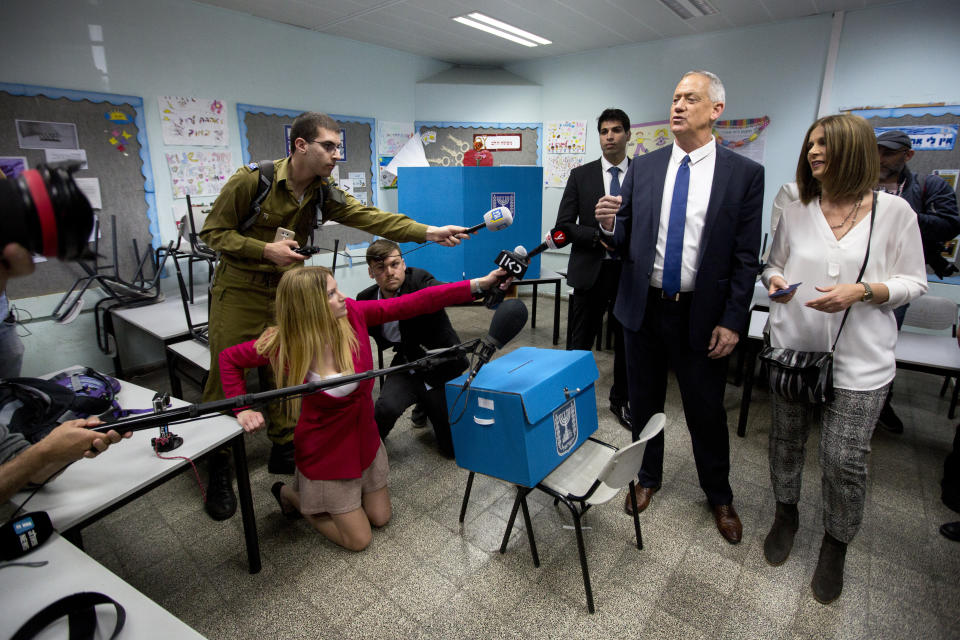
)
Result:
{"points": [[506, 199], [565, 426]]}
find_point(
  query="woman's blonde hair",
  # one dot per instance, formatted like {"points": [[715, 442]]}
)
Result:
{"points": [[305, 327], [852, 161]]}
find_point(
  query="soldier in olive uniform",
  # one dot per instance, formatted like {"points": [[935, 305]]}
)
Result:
{"points": [[252, 260]]}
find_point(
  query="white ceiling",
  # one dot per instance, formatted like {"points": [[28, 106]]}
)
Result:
{"points": [[424, 27]]}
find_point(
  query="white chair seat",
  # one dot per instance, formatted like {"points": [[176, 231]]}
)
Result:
{"points": [[577, 473]]}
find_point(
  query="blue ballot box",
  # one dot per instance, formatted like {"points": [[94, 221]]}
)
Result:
{"points": [[525, 413]]}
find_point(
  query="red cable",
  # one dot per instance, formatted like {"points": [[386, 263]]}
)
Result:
{"points": [[156, 451]]}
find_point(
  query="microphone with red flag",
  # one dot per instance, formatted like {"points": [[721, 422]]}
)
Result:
{"points": [[516, 262]]}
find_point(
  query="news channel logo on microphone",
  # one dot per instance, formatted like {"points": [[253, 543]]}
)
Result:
{"points": [[500, 218]]}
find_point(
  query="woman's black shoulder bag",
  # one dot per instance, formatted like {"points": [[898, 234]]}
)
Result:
{"points": [[807, 376]]}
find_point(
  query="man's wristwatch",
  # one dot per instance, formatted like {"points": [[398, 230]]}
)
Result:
{"points": [[867, 292]]}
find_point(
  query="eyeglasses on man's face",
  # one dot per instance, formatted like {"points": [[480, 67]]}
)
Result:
{"points": [[329, 147]]}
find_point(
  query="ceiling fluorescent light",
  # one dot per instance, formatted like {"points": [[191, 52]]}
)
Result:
{"points": [[687, 9], [496, 32], [508, 27]]}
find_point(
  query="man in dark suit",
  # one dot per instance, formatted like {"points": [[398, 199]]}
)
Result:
{"points": [[410, 339], [592, 271], [688, 231]]}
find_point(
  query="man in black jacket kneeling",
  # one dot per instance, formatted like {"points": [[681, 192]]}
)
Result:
{"points": [[410, 339]]}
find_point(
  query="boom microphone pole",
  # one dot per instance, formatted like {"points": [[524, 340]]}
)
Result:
{"points": [[197, 411]]}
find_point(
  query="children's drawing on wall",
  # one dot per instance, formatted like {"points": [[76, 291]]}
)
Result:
{"points": [[193, 121], [648, 136], [13, 166], [198, 173], [566, 136]]}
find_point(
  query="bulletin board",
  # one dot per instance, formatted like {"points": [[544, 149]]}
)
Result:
{"points": [[262, 136], [445, 142], [111, 129], [924, 161]]}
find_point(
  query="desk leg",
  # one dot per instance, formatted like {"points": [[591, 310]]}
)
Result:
{"points": [[556, 314], [533, 304], [748, 376], [246, 503]]}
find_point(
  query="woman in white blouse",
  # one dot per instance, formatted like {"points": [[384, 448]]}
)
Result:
{"points": [[821, 242]]}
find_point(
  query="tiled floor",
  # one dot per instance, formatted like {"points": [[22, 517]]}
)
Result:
{"points": [[425, 576]]}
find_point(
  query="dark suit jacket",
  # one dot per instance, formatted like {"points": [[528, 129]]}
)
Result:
{"points": [[729, 245], [429, 331], [576, 218]]}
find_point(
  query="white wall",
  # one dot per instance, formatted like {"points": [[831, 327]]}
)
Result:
{"points": [[900, 54], [176, 47], [773, 70]]}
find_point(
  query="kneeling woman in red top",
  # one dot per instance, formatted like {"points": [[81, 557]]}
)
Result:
{"points": [[341, 479]]}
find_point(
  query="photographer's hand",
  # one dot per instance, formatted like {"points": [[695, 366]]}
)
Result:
{"points": [[16, 261]]}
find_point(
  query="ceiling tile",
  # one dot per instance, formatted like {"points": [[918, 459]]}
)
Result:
{"points": [[743, 12], [786, 9]]}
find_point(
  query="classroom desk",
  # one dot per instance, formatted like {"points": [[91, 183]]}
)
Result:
{"points": [[27, 590], [163, 320], [90, 489]]}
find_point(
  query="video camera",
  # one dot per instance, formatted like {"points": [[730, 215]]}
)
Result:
{"points": [[43, 210]]}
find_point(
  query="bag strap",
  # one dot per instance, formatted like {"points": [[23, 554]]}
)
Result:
{"points": [[863, 267], [79, 609]]}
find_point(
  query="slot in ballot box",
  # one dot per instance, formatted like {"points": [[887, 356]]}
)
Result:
{"points": [[525, 413]]}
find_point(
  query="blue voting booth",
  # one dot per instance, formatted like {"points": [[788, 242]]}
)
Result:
{"points": [[525, 413], [461, 195]]}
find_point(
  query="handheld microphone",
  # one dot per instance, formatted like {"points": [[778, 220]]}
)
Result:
{"points": [[507, 321], [495, 220], [515, 263]]}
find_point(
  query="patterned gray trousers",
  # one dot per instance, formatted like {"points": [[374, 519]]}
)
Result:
{"points": [[846, 426]]}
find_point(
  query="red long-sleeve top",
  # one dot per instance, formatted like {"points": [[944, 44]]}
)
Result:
{"points": [[337, 438]]}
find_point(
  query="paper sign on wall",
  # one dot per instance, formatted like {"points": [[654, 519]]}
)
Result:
{"points": [[193, 121]]}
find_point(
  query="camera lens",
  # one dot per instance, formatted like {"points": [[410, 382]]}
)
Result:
{"points": [[45, 211]]}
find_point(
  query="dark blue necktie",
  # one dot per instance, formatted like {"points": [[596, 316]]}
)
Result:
{"points": [[673, 253], [614, 181]]}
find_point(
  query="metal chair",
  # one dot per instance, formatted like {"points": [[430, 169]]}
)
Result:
{"points": [[593, 474]]}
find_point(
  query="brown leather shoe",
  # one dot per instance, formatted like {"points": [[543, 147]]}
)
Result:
{"points": [[643, 498], [728, 522]]}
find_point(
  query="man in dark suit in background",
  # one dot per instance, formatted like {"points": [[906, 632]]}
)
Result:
{"points": [[688, 230], [592, 271], [410, 339]]}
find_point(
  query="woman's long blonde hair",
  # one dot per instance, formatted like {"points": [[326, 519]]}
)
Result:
{"points": [[305, 327]]}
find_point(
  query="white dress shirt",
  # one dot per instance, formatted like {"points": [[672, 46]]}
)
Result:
{"points": [[806, 250], [608, 177], [702, 163]]}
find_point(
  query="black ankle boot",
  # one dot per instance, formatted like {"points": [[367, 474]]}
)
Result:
{"points": [[828, 578], [779, 542], [281, 459], [221, 502]]}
